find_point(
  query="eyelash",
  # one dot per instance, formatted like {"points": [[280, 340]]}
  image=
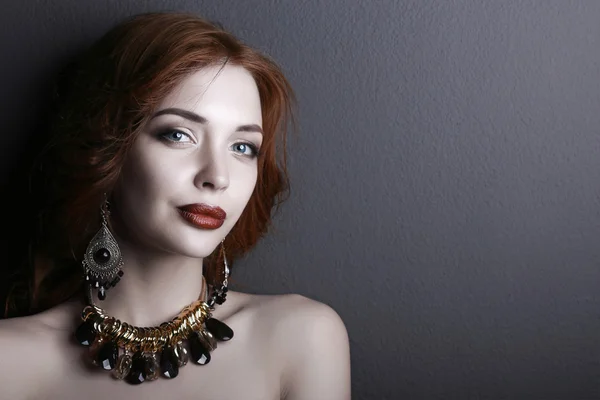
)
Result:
{"points": [[254, 149], [171, 131], [251, 146]]}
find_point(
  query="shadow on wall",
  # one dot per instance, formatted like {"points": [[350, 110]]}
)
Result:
{"points": [[22, 200]]}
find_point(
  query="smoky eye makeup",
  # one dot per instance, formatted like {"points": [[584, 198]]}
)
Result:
{"points": [[175, 135], [179, 136], [246, 149]]}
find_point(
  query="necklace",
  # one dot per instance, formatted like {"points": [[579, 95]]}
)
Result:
{"points": [[138, 354]]}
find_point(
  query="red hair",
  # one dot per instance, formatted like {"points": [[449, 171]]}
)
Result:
{"points": [[108, 96]]}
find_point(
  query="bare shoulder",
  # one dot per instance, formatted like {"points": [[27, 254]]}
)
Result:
{"points": [[291, 307], [21, 334], [293, 313], [311, 341], [19, 340], [29, 344]]}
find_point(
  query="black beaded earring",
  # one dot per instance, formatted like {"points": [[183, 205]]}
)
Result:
{"points": [[215, 328], [102, 260]]}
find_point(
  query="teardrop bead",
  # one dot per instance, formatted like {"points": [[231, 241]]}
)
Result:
{"points": [[123, 366], [85, 333], [219, 329], [94, 349], [182, 354], [152, 369], [199, 353], [207, 339], [169, 364], [137, 373], [107, 355]]}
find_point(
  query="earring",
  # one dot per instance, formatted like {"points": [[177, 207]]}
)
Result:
{"points": [[220, 294], [216, 329], [102, 261]]}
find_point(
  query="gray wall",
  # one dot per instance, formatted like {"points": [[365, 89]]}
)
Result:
{"points": [[445, 196]]}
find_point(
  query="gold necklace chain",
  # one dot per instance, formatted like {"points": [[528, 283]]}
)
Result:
{"points": [[148, 352], [148, 339]]}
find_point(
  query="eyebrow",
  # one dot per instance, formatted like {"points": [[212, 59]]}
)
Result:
{"points": [[201, 120]]}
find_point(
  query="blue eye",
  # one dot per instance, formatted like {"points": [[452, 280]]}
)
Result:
{"points": [[176, 136], [246, 149]]}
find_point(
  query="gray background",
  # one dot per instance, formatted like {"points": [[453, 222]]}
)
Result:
{"points": [[445, 193]]}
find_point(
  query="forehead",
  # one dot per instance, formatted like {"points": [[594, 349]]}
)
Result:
{"points": [[217, 91]]}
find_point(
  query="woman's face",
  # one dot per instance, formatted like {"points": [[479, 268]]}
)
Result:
{"points": [[197, 153]]}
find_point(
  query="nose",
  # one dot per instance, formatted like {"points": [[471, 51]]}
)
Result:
{"points": [[213, 173]]}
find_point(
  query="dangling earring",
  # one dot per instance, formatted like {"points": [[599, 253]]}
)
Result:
{"points": [[220, 293], [217, 329], [102, 261]]}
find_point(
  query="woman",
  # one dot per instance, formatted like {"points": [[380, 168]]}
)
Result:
{"points": [[164, 168]]}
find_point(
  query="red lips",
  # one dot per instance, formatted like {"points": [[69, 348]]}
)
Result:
{"points": [[203, 215]]}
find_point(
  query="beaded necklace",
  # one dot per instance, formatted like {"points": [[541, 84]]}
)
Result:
{"points": [[139, 354]]}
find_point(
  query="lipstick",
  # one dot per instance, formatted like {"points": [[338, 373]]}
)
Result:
{"points": [[203, 216]]}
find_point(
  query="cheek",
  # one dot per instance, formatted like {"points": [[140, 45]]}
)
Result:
{"points": [[244, 182], [142, 180], [240, 189]]}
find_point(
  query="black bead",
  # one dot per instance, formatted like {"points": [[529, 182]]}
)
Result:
{"points": [[101, 293], [219, 329], [85, 333], [169, 365], [114, 282], [102, 256], [137, 373], [198, 352], [107, 355], [120, 273]]}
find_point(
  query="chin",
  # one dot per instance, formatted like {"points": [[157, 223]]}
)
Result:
{"points": [[198, 243], [195, 252], [192, 249], [183, 239]]}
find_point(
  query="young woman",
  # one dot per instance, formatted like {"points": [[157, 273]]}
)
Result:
{"points": [[165, 165]]}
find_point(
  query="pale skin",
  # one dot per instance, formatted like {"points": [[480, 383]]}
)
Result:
{"points": [[285, 346]]}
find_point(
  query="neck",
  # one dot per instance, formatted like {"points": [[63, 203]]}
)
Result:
{"points": [[155, 286]]}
